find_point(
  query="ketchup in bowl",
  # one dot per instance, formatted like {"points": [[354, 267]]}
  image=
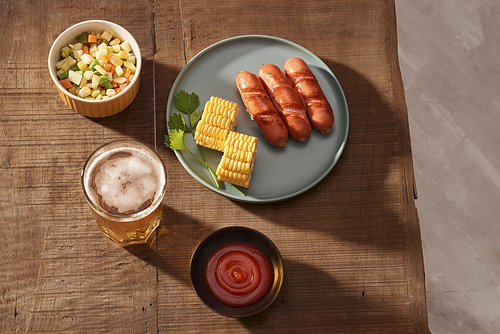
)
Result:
{"points": [[238, 274]]}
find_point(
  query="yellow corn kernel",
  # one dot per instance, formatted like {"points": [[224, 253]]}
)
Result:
{"points": [[236, 165], [123, 55], [120, 80], [116, 41], [82, 65], [110, 92], [85, 91], [219, 117], [116, 61]]}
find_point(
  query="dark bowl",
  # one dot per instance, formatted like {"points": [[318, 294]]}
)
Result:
{"points": [[219, 238]]}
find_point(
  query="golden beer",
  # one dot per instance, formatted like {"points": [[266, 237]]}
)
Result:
{"points": [[124, 183]]}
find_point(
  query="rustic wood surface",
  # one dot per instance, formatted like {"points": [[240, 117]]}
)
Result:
{"points": [[351, 245]]}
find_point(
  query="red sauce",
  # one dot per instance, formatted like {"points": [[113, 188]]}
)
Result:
{"points": [[238, 274]]}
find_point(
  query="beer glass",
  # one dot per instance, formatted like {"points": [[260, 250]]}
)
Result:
{"points": [[124, 183]]}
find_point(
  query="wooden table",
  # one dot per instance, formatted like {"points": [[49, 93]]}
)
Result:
{"points": [[351, 245]]}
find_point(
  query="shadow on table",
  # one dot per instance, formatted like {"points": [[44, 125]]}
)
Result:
{"points": [[137, 121], [330, 305], [363, 205], [180, 234], [362, 198]]}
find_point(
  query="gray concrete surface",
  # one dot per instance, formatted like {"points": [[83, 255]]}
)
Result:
{"points": [[449, 55]]}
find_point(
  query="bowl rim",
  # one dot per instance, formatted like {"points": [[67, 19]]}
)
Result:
{"points": [[216, 239], [54, 49]]}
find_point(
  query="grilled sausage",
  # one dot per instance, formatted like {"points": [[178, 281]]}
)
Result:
{"points": [[287, 100], [261, 108], [318, 109]]}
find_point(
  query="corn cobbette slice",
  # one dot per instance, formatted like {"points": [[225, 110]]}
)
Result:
{"points": [[219, 118], [236, 165]]}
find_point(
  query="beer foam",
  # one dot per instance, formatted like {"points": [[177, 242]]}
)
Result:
{"points": [[127, 181]]}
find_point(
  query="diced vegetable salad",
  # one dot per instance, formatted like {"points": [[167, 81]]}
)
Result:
{"points": [[96, 66]]}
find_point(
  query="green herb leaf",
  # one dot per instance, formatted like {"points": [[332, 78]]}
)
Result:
{"points": [[194, 118], [177, 123], [176, 140], [187, 103]]}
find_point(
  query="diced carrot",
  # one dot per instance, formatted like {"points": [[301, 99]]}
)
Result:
{"points": [[127, 73], [114, 84], [92, 38], [109, 68], [85, 49], [117, 90], [98, 42], [66, 83], [127, 81]]}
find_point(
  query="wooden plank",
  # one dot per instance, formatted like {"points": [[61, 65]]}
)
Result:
{"points": [[351, 246], [59, 273]]}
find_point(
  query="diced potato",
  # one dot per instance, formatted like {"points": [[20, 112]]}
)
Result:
{"points": [[119, 71], [74, 77], [88, 75], [106, 35], [87, 59], [95, 81], [102, 47], [129, 65], [131, 59], [76, 47], [104, 62], [78, 54], [125, 46], [93, 49]]}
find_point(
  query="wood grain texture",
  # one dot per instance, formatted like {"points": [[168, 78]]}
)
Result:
{"points": [[59, 274], [351, 246]]}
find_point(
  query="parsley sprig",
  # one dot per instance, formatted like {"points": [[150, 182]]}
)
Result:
{"points": [[187, 104]]}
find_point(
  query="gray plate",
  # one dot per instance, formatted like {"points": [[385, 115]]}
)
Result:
{"points": [[279, 173]]}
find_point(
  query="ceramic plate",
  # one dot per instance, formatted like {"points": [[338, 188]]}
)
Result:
{"points": [[279, 173]]}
